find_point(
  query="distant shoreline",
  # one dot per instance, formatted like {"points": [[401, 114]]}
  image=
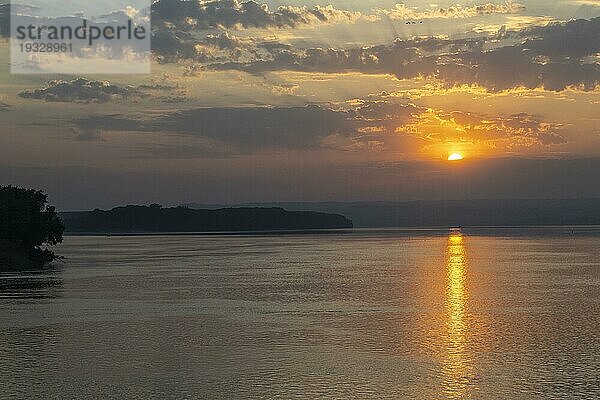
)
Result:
{"points": [[215, 233], [294, 218], [443, 213], [156, 219], [472, 230]]}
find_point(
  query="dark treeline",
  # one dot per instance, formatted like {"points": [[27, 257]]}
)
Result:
{"points": [[154, 218]]}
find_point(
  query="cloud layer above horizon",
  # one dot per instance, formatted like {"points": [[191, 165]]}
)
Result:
{"points": [[277, 87]]}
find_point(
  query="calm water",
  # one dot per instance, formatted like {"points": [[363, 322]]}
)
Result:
{"points": [[415, 315]]}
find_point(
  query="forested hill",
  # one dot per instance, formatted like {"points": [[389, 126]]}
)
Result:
{"points": [[154, 218]]}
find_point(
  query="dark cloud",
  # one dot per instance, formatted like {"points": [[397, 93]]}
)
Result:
{"points": [[112, 122], [242, 128], [81, 90], [201, 15], [172, 46], [371, 125], [88, 136], [204, 15], [157, 86], [574, 40], [175, 23], [295, 127], [551, 57]]}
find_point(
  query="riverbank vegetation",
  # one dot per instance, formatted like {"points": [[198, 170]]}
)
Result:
{"points": [[28, 225]]}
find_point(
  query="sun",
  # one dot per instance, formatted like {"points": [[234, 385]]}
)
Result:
{"points": [[455, 157]]}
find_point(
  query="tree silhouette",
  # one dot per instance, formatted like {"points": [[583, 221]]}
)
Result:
{"points": [[27, 221]]}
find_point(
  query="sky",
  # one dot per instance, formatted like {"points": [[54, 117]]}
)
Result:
{"points": [[319, 101]]}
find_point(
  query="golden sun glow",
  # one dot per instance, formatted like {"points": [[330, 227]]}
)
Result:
{"points": [[455, 157]]}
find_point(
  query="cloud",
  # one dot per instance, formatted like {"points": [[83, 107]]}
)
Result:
{"points": [[201, 15], [294, 127], [18, 8], [551, 57], [258, 128], [172, 46], [403, 12], [111, 122], [87, 135], [243, 128], [81, 90], [362, 125], [236, 14], [126, 14], [172, 17], [512, 23], [456, 127], [594, 3]]}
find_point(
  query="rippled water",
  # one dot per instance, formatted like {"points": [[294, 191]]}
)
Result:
{"points": [[372, 314]]}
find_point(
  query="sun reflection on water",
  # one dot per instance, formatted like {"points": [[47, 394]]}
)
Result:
{"points": [[458, 367]]}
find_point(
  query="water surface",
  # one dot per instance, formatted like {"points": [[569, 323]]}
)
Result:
{"points": [[368, 315]]}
